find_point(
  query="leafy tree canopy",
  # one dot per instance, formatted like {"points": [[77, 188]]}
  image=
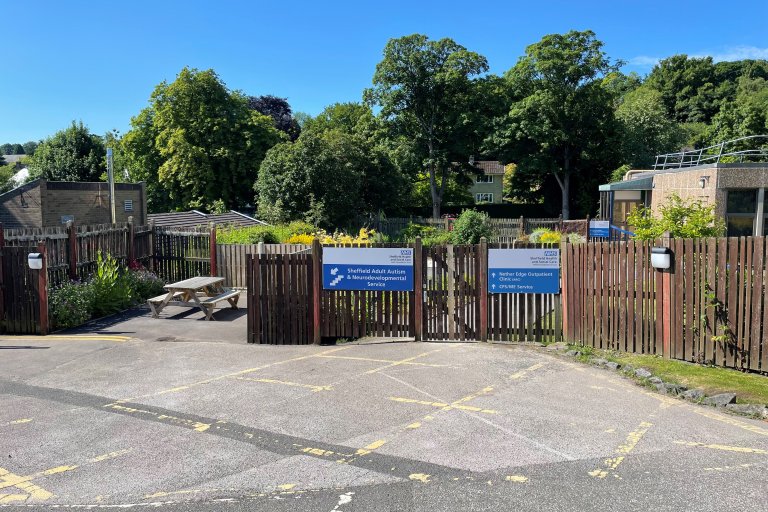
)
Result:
{"points": [[280, 112], [197, 144], [72, 154], [426, 91], [681, 218], [561, 122]]}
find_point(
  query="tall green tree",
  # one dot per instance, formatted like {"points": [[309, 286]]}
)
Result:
{"points": [[29, 147], [426, 91], [646, 129], [746, 115], [72, 154], [327, 177], [199, 143], [560, 123]]}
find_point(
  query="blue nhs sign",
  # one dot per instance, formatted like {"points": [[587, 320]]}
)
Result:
{"points": [[524, 270], [372, 269]]}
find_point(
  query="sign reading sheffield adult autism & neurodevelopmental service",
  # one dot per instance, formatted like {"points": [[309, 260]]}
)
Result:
{"points": [[599, 229], [524, 270], [374, 269]]}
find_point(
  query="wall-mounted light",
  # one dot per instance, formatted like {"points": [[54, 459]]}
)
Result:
{"points": [[35, 260], [703, 181], [661, 258]]}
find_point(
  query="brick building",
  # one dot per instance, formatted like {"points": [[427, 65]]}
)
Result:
{"points": [[42, 203]]}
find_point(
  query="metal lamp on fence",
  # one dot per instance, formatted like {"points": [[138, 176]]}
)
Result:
{"points": [[661, 258]]}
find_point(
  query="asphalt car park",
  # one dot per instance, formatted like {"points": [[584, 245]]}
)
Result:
{"points": [[107, 420]]}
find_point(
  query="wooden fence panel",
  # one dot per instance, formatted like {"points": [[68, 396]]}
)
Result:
{"points": [[180, 255], [21, 305], [718, 300]]}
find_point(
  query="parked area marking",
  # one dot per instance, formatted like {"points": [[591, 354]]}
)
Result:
{"points": [[287, 383], [66, 337], [622, 451], [442, 405], [368, 359], [523, 373], [31, 490], [16, 422], [740, 449], [402, 361]]}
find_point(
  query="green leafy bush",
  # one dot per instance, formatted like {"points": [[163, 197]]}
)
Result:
{"points": [[70, 304], [112, 291], [249, 235], [144, 285], [471, 226], [430, 235], [683, 219]]}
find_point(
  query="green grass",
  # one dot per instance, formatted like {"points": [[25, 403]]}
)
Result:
{"points": [[749, 387]]}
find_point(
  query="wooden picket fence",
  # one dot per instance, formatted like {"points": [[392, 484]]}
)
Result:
{"points": [[711, 307], [450, 301]]}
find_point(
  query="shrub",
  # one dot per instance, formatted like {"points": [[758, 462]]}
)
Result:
{"points": [[301, 239], [471, 226], [249, 235], [551, 237], [144, 284], [70, 304], [112, 291], [683, 219]]}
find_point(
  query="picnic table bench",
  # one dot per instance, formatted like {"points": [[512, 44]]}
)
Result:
{"points": [[200, 292]]}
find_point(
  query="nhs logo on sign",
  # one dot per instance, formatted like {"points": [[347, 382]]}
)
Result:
{"points": [[372, 269], [524, 270]]}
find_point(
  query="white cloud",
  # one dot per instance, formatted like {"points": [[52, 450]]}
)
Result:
{"points": [[738, 53], [643, 61]]}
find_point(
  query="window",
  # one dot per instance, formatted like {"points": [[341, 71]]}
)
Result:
{"points": [[128, 205], [741, 210], [484, 198], [484, 178]]}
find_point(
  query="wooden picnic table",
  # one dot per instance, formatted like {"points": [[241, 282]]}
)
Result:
{"points": [[199, 292]]}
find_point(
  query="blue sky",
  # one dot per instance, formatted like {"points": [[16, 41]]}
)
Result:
{"points": [[99, 61]]}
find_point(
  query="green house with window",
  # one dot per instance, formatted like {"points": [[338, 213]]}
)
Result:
{"points": [[488, 183], [739, 192]]}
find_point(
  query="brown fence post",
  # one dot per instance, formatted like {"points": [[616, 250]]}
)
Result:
{"points": [[131, 241], [72, 233], [586, 229], [482, 280], [212, 249], [42, 288], [560, 223], [152, 254], [666, 301], [418, 289], [565, 258], [317, 288]]}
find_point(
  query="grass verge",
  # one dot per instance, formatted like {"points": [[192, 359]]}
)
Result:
{"points": [[749, 387]]}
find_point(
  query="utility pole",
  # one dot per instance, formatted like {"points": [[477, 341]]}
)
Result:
{"points": [[111, 180]]}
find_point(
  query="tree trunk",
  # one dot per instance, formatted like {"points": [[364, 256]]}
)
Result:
{"points": [[566, 190], [437, 194]]}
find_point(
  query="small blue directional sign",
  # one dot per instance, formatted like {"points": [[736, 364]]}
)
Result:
{"points": [[599, 229], [524, 270], [372, 269]]}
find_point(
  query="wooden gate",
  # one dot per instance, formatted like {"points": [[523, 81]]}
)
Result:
{"points": [[451, 293], [20, 307]]}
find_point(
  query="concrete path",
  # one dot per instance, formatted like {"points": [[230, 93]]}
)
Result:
{"points": [[113, 420]]}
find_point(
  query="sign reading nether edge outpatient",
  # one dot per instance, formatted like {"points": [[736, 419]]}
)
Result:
{"points": [[524, 270], [375, 269], [599, 229]]}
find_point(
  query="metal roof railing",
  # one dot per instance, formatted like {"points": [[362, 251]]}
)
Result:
{"points": [[715, 154]]}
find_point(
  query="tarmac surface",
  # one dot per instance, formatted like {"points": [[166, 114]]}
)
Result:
{"points": [[109, 420]]}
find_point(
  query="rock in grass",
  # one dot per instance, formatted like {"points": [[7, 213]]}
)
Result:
{"points": [[612, 365], [720, 400], [642, 373], [599, 361], [573, 353], [655, 380], [754, 410], [673, 389], [693, 394]]}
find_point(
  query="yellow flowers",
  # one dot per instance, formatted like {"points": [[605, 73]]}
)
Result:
{"points": [[364, 236]]}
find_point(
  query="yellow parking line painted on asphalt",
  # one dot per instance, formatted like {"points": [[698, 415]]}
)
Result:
{"points": [[373, 446], [622, 451], [523, 373], [731, 421], [740, 449], [287, 383], [57, 337], [110, 455], [228, 375], [419, 477], [10, 498], [368, 359], [520, 479], [401, 362], [16, 422], [442, 405]]}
